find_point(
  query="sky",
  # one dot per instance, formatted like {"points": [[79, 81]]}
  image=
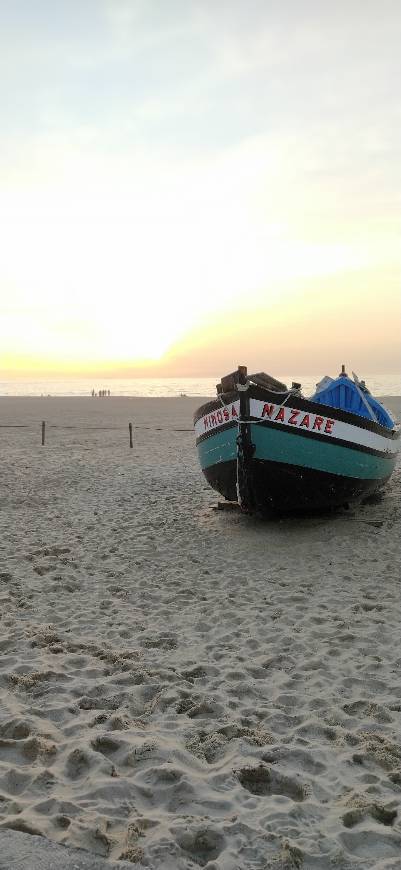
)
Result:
{"points": [[186, 185]]}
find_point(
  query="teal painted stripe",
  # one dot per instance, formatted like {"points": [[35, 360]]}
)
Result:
{"points": [[220, 447], [294, 449], [279, 446]]}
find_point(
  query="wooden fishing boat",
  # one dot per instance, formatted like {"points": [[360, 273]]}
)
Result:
{"points": [[269, 448]]}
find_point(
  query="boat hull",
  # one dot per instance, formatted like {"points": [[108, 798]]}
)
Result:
{"points": [[283, 488], [302, 457]]}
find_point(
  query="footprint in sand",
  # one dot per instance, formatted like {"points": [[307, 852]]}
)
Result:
{"points": [[15, 729], [78, 764], [301, 760], [38, 747], [20, 824], [100, 703], [200, 845], [81, 762], [195, 673], [384, 815], [44, 782], [16, 782], [61, 821], [42, 569], [165, 642], [367, 843], [194, 706], [263, 780], [106, 745], [369, 709]]}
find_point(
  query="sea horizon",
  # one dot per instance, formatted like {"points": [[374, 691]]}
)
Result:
{"points": [[167, 387]]}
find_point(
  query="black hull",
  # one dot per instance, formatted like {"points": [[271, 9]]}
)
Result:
{"points": [[280, 487]]}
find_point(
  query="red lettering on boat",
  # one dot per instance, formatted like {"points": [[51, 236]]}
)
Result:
{"points": [[318, 422], [305, 421], [267, 410], [233, 412], [293, 417], [206, 422], [280, 415], [213, 419], [226, 414], [219, 416], [329, 425]]}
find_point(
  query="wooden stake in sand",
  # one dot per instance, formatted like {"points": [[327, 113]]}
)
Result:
{"points": [[130, 434], [43, 432]]}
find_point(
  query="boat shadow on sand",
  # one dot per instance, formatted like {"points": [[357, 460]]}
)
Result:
{"points": [[361, 512]]}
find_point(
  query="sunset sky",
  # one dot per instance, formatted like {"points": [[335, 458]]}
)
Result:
{"points": [[190, 184]]}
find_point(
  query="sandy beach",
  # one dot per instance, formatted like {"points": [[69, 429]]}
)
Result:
{"points": [[182, 687]]}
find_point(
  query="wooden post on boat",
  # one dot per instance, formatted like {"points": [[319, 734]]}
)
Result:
{"points": [[130, 434], [245, 447], [43, 432], [243, 396]]}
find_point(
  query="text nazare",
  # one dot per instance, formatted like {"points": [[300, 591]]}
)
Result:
{"points": [[275, 413]]}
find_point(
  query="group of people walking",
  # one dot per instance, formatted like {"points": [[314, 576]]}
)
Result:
{"points": [[101, 393]]}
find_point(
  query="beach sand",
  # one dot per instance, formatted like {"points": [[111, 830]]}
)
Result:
{"points": [[182, 687]]}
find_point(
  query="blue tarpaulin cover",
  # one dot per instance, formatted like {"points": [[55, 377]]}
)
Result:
{"points": [[351, 396]]}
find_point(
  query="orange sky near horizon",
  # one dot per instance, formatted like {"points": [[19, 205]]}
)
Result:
{"points": [[320, 330]]}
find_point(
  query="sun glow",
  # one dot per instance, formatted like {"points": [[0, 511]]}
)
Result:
{"points": [[121, 270], [164, 169]]}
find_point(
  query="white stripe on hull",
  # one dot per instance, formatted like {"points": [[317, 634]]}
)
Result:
{"points": [[281, 415]]}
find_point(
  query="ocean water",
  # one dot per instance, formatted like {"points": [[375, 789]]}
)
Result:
{"points": [[379, 385]]}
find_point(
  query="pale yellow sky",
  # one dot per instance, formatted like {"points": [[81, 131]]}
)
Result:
{"points": [[179, 192]]}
